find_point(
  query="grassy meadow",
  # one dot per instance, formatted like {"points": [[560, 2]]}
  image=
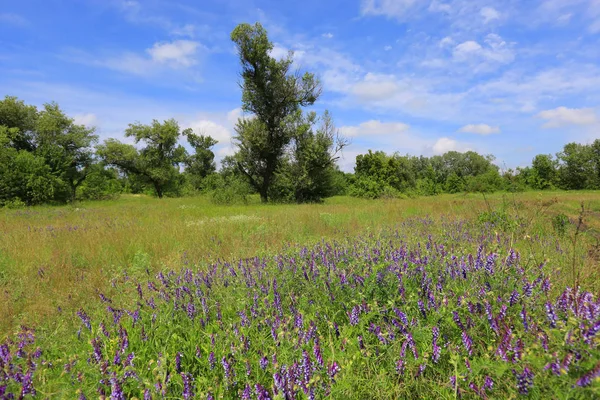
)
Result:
{"points": [[435, 297]]}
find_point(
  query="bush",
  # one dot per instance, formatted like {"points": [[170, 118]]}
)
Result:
{"points": [[367, 188], [233, 191], [560, 223]]}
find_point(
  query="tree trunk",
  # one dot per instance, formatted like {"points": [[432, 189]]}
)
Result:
{"points": [[158, 190], [264, 197]]}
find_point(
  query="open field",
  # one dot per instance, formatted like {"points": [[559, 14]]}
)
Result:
{"points": [[362, 285]]}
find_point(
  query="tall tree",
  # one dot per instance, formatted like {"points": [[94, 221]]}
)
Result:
{"points": [[66, 146], [48, 136], [271, 93], [158, 162]]}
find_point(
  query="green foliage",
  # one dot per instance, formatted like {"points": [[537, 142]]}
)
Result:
{"points": [[46, 156], [488, 182], [578, 166], [560, 223], [307, 172], [454, 183], [366, 187], [234, 190], [101, 184], [271, 94], [201, 163], [157, 163], [543, 172]]}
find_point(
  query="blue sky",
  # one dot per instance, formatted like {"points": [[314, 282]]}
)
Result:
{"points": [[509, 77]]}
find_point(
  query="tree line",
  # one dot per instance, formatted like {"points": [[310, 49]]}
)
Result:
{"points": [[283, 152]]}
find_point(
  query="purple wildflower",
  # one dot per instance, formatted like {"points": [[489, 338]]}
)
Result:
{"points": [[227, 368], [467, 342], [524, 380], [354, 316], [514, 298], [551, 315], [523, 315], [307, 367], [400, 366], [586, 379], [333, 369], [116, 392], [264, 362], [488, 384], [97, 354], [85, 319], [178, 362], [27, 384], [247, 393], [317, 354], [211, 360], [261, 392], [188, 391]]}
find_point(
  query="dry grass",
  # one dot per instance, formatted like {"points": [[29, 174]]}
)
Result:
{"points": [[55, 258]]}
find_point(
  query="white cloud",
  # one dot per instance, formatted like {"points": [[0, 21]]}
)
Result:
{"points": [[437, 6], [185, 30], [376, 87], [162, 56], [465, 49], [447, 41], [279, 51], [374, 127], [387, 48], [496, 51], [234, 115], [446, 144], [176, 53], [327, 35], [563, 116], [480, 129], [88, 119], [489, 14], [390, 8], [210, 128], [13, 19]]}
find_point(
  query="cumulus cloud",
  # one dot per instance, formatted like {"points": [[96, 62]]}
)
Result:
{"points": [[480, 129], [177, 53], [390, 8], [446, 144], [88, 119], [447, 41], [563, 116], [162, 56], [376, 87], [327, 35], [374, 127], [489, 14], [210, 128], [495, 51]]}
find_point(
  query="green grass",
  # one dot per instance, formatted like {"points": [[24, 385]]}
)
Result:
{"points": [[53, 257], [56, 260]]}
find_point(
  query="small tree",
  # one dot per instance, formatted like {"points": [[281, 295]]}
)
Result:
{"points": [[202, 163], [157, 163], [272, 94], [309, 167]]}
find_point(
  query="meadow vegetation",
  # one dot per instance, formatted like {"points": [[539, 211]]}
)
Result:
{"points": [[180, 297]]}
